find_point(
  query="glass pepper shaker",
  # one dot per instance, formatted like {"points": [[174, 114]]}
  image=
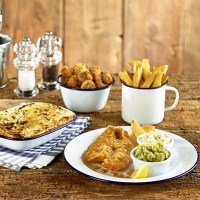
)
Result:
{"points": [[26, 63], [49, 57]]}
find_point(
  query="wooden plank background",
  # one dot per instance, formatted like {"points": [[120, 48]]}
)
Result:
{"points": [[109, 33]]}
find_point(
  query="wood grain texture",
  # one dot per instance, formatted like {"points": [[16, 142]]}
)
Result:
{"points": [[152, 30], [191, 25], [93, 30], [59, 181], [109, 33], [22, 18]]}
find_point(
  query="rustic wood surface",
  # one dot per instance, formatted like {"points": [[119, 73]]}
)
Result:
{"points": [[151, 32], [109, 33], [59, 181], [93, 36]]}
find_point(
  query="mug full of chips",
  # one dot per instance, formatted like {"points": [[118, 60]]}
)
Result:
{"points": [[143, 93]]}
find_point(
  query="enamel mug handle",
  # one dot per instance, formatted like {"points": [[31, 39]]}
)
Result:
{"points": [[176, 98]]}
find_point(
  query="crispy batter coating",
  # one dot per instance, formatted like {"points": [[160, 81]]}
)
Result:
{"points": [[84, 76], [73, 81], [107, 78], [98, 81], [80, 67], [67, 71], [88, 84], [95, 70], [111, 149], [64, 80], [100, 85]]}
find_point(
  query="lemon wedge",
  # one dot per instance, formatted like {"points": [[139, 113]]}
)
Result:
{"points": [[141, 172]]}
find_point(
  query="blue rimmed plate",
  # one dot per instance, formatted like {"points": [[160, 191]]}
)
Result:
{"points": [[184, 161]]}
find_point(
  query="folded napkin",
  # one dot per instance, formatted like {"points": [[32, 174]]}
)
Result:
{"points": [[42, 155]]}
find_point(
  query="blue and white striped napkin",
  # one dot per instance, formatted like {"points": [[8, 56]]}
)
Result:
{"points": [[42, 155]]}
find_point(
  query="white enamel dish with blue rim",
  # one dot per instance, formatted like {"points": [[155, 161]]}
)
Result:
{"points": [[21, 144]]}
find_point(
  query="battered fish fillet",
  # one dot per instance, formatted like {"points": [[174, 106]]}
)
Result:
{"points": [[111, 149]]}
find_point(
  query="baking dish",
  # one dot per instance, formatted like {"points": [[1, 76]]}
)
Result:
{"points": [[20, 142]]}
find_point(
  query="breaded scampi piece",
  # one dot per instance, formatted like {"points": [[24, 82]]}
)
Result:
{"points": [[64, 80], [95, 70], [97, 78], [80, 67], [73, 81], [88, 84], [100, 84], [84, 76], [107, 78], [67, 71], [98, 81], [111, 149]]}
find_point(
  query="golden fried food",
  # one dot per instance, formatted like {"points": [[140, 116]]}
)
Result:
{"points": [[134, 64], [125, 77], [164, 79], [148, 128], [107, 78], [146, 69], [95, 70], [67, 71], [80, 67], [97, 78], [111, 149], [64, 80], [88, 84], [158, 80], [73, 81], [142, 75], [149, 81], [84, 76], [137, 77], [100, 84]]}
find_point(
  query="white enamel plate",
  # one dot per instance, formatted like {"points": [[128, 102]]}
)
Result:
{"points": [[184, 161]]}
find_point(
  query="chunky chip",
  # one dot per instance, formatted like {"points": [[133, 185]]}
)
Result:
{"points": [[142, 75], [124, 76], [137, 77]]}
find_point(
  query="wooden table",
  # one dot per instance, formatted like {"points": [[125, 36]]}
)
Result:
{"points": [[58, 181]]}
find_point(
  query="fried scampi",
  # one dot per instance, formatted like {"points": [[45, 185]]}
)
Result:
{"points": [[111, 149], [84, 77]]}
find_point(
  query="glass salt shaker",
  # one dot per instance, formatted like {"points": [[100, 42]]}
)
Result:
{"points": [[49, 57], [26, 63]]}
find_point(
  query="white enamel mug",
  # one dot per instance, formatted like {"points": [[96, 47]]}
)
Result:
{"points": [[146, 105]]}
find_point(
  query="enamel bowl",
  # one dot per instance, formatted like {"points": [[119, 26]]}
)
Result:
{"points": [[84, 100]]}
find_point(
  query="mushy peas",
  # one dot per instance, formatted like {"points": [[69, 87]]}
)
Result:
{"points": [[155, 152]]}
